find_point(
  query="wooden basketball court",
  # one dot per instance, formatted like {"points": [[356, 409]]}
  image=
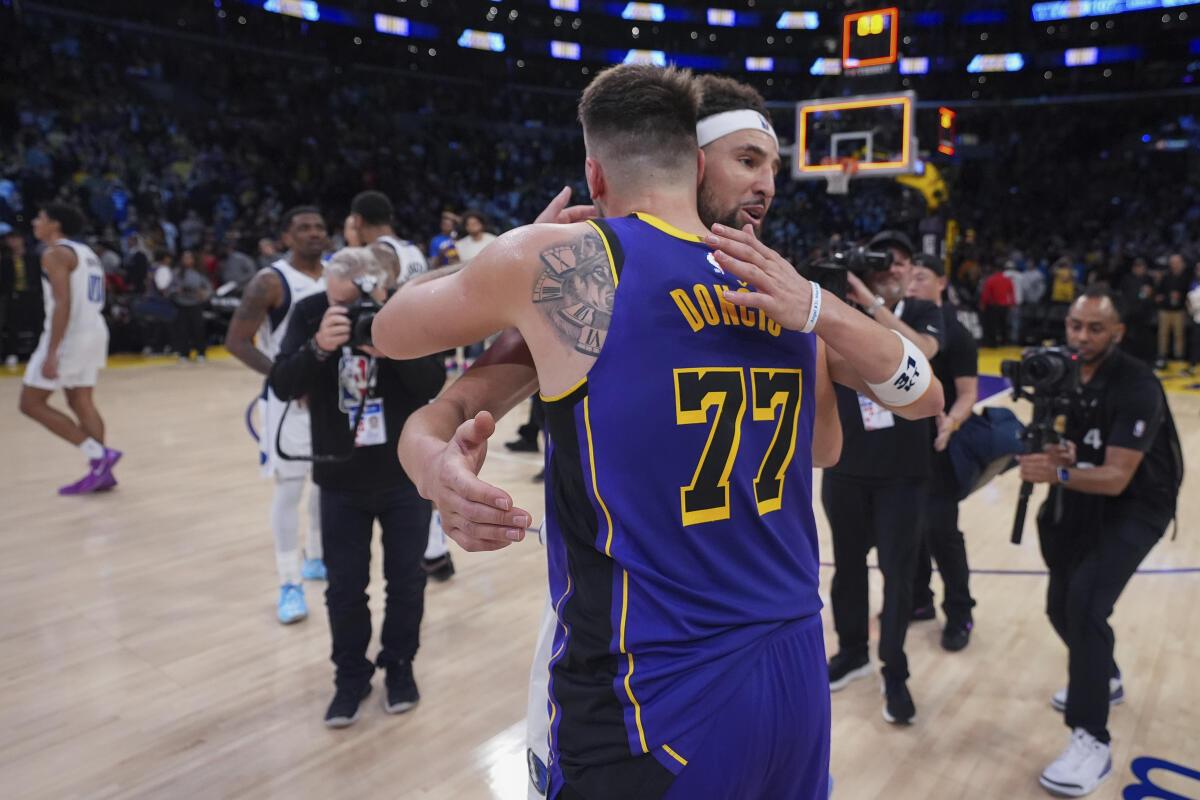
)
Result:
{"points": [[140, 656]]}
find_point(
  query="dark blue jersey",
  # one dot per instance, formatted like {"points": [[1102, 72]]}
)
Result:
{"points": [[679, 516]]}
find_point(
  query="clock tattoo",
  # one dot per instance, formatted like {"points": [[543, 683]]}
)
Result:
{"points": [[575, 291]]}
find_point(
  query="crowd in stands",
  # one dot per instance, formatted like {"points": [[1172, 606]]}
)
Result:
{"points": [[183, 154]]}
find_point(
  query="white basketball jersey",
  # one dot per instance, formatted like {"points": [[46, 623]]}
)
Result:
{"points": [[296, 287], [87, 292], [412, 260]]}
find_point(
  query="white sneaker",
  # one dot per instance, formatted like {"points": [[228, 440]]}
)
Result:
{"points": [[1080, 769], [1116, 695]]}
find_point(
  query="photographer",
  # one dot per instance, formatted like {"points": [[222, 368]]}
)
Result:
{"points": [[1117, 476], [326, 358], [874, 495], [956, 366]]}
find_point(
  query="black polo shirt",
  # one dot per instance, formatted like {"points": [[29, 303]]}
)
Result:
{"points": [[958, 358], [1124, 405], [877, 444]]}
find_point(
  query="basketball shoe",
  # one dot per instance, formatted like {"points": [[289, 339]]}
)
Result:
{"points": [[314, 570], [99, 477], [292, 607], [1082, 767]]}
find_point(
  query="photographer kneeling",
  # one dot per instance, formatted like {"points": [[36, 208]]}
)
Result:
{"points": [[327, 359], [1118, 476]]}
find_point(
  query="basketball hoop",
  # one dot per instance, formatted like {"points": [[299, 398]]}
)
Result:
{"points": [[839, 182]]}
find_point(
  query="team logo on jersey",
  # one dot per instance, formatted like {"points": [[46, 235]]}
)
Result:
{"points": [[1139, 429], [712, 259]]}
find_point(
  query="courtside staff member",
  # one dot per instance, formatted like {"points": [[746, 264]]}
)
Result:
{"points": [[957, 367], [873, 497], [1119, 476], [316, 361]]}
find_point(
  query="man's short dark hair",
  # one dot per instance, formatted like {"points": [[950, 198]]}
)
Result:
{"points": [[374, 208], [1101, 291], [719, 94], [642, 112], [473, 214], [285, 223], [69, 218]]}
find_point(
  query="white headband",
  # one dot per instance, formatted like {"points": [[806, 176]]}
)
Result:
{"points": [[709, 129]]}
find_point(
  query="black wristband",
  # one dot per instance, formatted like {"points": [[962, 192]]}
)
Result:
{"points": [[317, 351]]}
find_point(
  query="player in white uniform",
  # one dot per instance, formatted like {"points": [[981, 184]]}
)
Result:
{"points": [[370, 225], [74, 345], [264, 312]]}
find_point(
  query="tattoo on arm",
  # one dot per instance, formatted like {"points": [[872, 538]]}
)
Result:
{"points": [[575, 291], [251, 311]]}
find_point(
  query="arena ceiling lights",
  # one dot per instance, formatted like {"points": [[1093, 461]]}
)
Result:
{"points": [[571, 6], [392, 26], [644, 12], [798, 21], [997, 62], [301, 9], [482, 40], [765, 64]]}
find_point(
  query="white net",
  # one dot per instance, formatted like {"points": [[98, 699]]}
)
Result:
{"points": [[837, 183]]}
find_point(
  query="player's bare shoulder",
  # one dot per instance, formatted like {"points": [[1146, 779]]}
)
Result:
{"points": [[574, 286]]}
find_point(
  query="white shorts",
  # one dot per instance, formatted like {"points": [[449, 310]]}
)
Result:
{"points": [[80, 359], [296, 438]]}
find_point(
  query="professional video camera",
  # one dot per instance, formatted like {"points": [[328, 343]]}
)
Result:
{"points": [[1049, 377], [829, 269]]}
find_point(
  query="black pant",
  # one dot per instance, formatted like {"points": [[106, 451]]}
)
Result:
{"points": [[537, 420], [189, 331], [347, 522], [1089, 567], [885, 514], [942, 539], [995, 325]]}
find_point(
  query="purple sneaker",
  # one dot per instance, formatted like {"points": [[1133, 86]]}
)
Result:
{"points": [[99, 478]]}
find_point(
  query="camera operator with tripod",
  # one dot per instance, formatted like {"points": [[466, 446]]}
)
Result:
{"points": [[327, 358], [1114, 483], [873, 497]]}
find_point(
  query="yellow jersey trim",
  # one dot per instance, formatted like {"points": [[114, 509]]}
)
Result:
{"points": [[666, 227], [563, 395], [675, 755], [612, 263], [637, 708]]}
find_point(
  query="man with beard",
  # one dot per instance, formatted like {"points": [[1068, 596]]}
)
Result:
{"points": [[1116, 480], [600, 361]]}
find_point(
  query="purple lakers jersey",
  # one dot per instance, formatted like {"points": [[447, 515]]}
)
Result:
{"points": [[679, 519]]}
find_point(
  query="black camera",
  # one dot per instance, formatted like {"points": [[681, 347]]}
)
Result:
{"points": [[1043, 372], [830, 269], [361, 314], [1049, 377]]}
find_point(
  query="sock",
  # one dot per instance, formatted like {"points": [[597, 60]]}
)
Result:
{"points": [[92, 449], [437, 547], [313, 547], [285, 526]]}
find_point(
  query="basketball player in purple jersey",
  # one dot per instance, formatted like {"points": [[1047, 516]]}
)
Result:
{"points": [[74, 345], [688, 628]]}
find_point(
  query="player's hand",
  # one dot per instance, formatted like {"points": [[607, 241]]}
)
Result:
{"points": [[560, 213], [350, 232], [475, 514], [335, 329], [50, 367], [857, 291], [945, 429], [779, 291], [1038, 468]]}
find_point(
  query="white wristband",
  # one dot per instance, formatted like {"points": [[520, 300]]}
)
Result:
{"points": [[910, 381], [814, 309]]}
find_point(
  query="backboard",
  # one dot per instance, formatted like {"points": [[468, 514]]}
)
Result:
{"points": [[876, 130]]}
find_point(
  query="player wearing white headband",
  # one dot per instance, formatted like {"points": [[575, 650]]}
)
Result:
{"points": [[741, 162]]}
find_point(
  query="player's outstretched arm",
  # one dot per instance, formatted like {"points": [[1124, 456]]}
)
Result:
{"points": [[895, 371], [444, 444], [263, 292]]}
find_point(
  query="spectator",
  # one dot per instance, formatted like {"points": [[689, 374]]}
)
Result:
{"points": [[1064, 288], [1193, 303], [1013, 273], [1172, 314], [137, 263], [189, 291], [477, 236], [996, 299], [235, 267], [1137, 298], [191, 231], [268, 252], [442, 251]]}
